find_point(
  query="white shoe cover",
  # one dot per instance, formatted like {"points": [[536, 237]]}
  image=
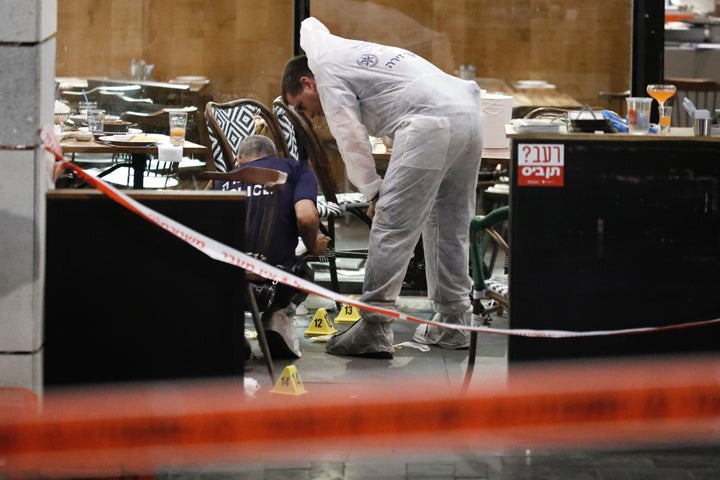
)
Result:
{"points": [[447, 338], [282, 338], [370, 339]]}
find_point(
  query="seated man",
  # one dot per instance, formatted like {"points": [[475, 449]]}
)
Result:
{"points": [[296, 216]]}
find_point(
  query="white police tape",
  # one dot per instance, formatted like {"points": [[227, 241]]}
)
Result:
{"points": [[232, 256]]}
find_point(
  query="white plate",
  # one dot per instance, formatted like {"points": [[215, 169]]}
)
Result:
{"points": [[191, 78], [130, 140], [529, 84]]}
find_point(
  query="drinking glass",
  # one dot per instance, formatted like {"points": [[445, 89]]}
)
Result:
{"points": [[96, 120], [638, 115], [665, 116], [84, 106], [661, 92], [178, 122]]}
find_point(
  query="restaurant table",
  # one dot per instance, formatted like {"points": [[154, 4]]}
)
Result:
{"points": [[126, 300], [139, 153], [167, 94], [613, 231]]}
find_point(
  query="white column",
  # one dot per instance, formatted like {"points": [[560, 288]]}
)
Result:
{"points": [[27, 54]]}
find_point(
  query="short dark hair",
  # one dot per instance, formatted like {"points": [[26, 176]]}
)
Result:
{"points": [[295, 68]]}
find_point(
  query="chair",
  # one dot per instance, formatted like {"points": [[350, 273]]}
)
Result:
{"points": [[258, 241], [157, 122], [99, 94], [301, 137], [158, 174], [487, 285], [703, 92], [162, 93], [230, 122], [116, 103], [615, 101]]}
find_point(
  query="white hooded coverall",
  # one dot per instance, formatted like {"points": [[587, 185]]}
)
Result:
{"points": [[435, 122]]}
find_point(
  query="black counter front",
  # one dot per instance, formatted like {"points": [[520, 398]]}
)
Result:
{"points": [[127, 301], [614, 232]]}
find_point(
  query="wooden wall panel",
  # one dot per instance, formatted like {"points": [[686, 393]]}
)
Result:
{"points": [[242, 45], [583, 47]]}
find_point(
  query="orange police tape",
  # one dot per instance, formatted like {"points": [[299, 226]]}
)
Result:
{"points": [[224, 253], [142, 429]]}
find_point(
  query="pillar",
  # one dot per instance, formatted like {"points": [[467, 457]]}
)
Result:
{"points": [[27, 56]]}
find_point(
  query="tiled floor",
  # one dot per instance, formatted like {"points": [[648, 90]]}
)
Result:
{"points": [[702, 463], [319, 370]]}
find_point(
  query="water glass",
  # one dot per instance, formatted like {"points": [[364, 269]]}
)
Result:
{"points": [[96, 120], [83, 107], [638, 115], [178, 122]]}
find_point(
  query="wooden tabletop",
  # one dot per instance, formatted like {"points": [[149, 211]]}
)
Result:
{"points": [[676, 134], [71, 145], [544, 97]]}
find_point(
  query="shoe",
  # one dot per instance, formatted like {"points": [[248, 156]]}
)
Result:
{"points": [[368, 339], [280, 348], [447, 338], [283, 341]]}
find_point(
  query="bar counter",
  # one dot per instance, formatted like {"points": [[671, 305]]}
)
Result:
{"points": [[614, 231]]}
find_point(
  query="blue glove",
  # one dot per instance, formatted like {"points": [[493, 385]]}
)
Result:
{"points": [[620, 124]]}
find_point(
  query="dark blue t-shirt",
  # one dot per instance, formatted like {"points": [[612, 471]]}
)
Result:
{"points": [[301, 184]]}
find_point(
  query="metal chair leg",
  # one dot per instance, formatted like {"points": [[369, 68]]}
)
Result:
{"points": [[472, 352], [257, 320]]}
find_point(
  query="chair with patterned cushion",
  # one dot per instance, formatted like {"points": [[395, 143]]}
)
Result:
{"points": [[488, 284], [229, 123], [304, 145], [288, 131], [301, 136]]}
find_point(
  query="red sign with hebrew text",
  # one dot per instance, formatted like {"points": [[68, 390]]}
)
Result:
{"points": [[541, 165]]}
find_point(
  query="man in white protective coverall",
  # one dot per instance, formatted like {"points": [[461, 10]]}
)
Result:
{"points": [[435, 122]]}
